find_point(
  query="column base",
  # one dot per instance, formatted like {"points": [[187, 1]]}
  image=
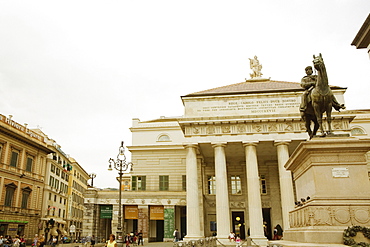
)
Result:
{"points": [[194, 237]]}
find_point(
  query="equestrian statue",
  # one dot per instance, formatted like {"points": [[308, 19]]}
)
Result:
{"points": [[317, 98]]}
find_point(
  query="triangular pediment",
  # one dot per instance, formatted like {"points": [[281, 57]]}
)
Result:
{"points": [[253, 86]]}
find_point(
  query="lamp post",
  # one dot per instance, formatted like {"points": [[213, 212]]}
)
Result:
{"points": [[92, 176], [121, 165]]}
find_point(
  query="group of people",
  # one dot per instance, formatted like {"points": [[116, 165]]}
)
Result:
{"points": [[8, 241], [234, 238], [130, 238]]}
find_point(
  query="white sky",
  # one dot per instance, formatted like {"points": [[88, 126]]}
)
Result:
{"points": [[81, 70]]}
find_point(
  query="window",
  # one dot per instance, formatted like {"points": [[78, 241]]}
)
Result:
{"points": [[51, 181], [14, 160], [357, 131], [57, 184], [164, 138], [211, 185], [9, 194], [163, 183], [57, 171], [49, 196], [183, 182], [236, 187], [29, 164], [25, 195], [263, 185], [52, 168], [138, 182]]}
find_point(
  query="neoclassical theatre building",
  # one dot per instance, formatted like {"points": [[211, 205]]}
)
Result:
{"points": [[219, 167]]}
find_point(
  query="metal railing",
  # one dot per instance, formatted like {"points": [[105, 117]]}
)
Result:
{"points": [[212, 242]]}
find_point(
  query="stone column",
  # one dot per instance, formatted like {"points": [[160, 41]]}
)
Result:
{"points": [[254, 194], [222, 192], [286, 183], [192, 194]]}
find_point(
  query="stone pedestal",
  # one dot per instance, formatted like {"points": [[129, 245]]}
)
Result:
{"points": [[331, 175]]}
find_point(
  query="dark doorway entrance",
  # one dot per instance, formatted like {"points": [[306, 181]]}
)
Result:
{"points": [[238, 224], [183, 222], [267, 222], [160, 230]]}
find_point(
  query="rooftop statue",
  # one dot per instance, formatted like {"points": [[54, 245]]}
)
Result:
{"points": [[256, 67], [317, 98]]}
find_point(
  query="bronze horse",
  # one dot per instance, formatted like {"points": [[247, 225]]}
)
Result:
{"points": [[321, 100]]}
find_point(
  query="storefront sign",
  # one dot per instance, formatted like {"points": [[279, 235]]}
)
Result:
{"points": [[106, 211], [169, 222], [156, 213], [131, 212]]}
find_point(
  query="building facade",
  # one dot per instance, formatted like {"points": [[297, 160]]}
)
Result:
{"points": [[362, 39], [23, 163], [220, 166], [41, 187], [76, 193]]}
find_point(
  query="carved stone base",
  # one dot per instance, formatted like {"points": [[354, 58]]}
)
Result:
{"points": [[315, 234], [331, 179]]}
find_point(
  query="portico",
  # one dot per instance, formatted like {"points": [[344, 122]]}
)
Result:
{"points": [[248, 161]]}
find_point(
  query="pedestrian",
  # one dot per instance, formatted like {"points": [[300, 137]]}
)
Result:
{"points": [[41, 241], [140, 237], [35, 240], [176, 235], [128, 239], [279, 232], [92, 240], [1, 241], [111, 242], [231, 237], [16, 241], [23, 241], [54, 241], [237, 241]]}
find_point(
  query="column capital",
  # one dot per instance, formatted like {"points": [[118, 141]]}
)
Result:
{"points": [[250, 143], [282, 142], [218, 144], [190, 145]]}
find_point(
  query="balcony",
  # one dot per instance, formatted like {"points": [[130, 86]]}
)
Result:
{"points": [[18, 210]]}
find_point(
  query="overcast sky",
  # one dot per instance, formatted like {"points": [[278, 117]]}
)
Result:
{"points": [[81, 70]]}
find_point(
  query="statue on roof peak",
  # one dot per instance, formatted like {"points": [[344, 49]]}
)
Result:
{"points": [[256, 68]]}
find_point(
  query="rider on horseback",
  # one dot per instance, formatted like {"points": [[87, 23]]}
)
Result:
{"points": [[308, 82]]}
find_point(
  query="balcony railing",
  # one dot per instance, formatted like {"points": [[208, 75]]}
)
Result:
{"points": [[24, 211]]}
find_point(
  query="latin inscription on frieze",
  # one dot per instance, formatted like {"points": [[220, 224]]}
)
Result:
{"points": [[243, 106]]}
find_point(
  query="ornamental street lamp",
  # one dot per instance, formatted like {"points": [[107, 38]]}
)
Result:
{"points": [[92, 176], [121, 165]]}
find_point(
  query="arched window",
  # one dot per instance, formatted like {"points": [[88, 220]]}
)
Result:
{"points": [[357, 131], [164, 138]]}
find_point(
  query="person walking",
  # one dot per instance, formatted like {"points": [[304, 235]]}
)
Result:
{"points": [[140, 238], [112, 241], [176, 235]]}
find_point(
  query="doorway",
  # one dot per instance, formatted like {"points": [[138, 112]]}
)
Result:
{"points": [[160, 230], [238, 224], [267, 222]]}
